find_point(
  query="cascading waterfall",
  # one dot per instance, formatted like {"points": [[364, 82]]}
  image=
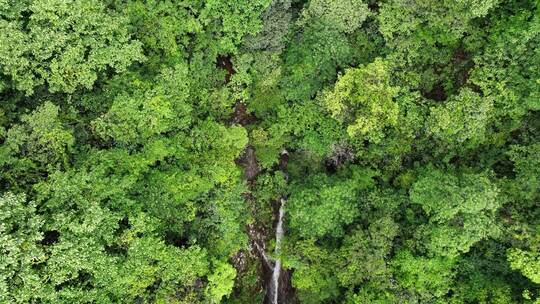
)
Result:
{"points": [[274, 287], [264, 256], [277, 281]]}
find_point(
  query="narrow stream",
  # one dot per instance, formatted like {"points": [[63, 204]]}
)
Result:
{"points": [[275, 291], [277, 281], [274, 287]]}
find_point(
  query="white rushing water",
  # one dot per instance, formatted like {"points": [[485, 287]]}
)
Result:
{"points": [[274, 288], [264, 256]]}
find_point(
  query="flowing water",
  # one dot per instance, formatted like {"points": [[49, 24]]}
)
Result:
{"points": [[274, 291], [277, 281], [274, 287]]}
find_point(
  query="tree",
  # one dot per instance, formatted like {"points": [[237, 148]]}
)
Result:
{"points": [[322, 46], [527, 169], [526, 261], [402, 20], [363, 255], [39, 144], [313, 275], [42, 136], [363, 99], [324, 205], [163, 27], [524, 192], [233, 20], [503, 71], [424, 36], [221, 282], [463, 121], [20, 237], [65, 45], [461, 210], [313, 61], [276, 21], [344, 15], [431, 278], [150, 110], [171, 271]]}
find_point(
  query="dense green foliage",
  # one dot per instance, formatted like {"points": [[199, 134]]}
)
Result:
{"points": [[145, 145]]}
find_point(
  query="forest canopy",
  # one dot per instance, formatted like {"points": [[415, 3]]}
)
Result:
{"points": [[270, 151]]}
